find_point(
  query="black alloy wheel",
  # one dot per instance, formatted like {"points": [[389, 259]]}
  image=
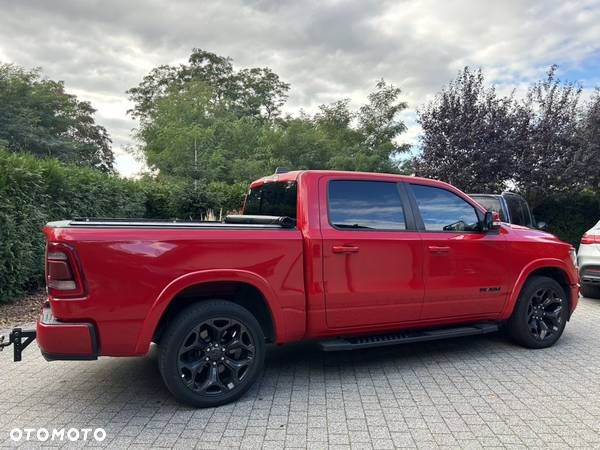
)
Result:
{"points": [[211, 353], [541, 313], [215, 356], [544, 313]]}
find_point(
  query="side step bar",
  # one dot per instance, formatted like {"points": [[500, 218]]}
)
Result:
{"points": [[405, 337]]}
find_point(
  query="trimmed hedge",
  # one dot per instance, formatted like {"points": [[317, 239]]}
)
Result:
{"points": [[35, 191], [569, 216]]}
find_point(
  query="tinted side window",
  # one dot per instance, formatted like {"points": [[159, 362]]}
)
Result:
{"points": [[272, 199], [518, 211], [443, 210], [365, 205], [490, 203]]}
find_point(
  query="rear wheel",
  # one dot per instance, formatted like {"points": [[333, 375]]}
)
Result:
{"points": [[212, 353], [590, 291], [540, 314]]}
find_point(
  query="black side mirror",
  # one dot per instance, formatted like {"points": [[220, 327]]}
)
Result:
{"points": [[542, 226], [491, 221]]}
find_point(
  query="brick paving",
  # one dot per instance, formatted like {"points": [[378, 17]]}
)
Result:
{"points": [[464, 393]]}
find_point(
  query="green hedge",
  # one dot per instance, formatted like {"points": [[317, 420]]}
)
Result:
{"points": [[569, 216], [35, 191]]}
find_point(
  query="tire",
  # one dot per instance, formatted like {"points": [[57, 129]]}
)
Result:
{"points": [[211, 353], [540, 315], [590, 291]]}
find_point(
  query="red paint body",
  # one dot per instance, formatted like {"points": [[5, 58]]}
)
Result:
{"points": [[313, 284]]}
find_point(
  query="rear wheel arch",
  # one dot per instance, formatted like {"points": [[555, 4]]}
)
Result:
{"points": [[230, 285], [243, 294]]}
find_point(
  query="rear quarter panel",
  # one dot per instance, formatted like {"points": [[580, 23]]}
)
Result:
{"points": [[131, 275]]}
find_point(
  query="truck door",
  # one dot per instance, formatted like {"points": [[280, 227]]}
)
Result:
{"points": [[372, 253], [465, 270]]}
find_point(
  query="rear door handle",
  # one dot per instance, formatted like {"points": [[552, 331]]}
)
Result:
{"points": [[438, 250], [345, 249]]}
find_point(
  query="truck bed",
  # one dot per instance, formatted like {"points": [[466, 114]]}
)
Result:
{"points": [[131, 269], [230, 222]]}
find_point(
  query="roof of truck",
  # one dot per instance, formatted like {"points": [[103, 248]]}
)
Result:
{"points": [[293, 176]]}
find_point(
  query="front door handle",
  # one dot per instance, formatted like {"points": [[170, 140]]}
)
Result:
{"points": [[436, 250], [345, 249]]}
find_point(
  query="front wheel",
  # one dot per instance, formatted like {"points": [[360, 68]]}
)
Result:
{"points": [[541, 313], [212, 353]]}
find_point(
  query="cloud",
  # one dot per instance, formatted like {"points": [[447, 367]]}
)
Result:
{"points": [[326, 50]]}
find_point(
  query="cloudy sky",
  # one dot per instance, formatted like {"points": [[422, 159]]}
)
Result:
{"points": [[326, 49]]}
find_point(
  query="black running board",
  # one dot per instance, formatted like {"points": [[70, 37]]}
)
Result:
{"points": [[405, 337]]}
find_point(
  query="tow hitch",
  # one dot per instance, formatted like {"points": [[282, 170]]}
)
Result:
{"points": [[20, 339]]}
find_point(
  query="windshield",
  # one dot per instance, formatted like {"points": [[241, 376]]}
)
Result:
{"points": [[490, 203], [272, 199]]}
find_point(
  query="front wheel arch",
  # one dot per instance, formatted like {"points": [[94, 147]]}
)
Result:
{"points": [[548, 268]]}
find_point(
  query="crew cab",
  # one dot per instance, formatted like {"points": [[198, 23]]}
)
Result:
{"points": [[351, 260]]}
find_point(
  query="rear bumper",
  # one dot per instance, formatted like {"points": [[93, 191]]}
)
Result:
{"points": [[590, 275], [66, 340]]}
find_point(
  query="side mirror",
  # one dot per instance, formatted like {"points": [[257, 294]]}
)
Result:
{"points": [[542, 226], [491, 221]]}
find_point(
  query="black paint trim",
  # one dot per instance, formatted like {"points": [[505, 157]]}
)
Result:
{"points": [[91, 357], [55, 357]]}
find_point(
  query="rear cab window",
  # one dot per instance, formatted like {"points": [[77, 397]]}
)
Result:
{"points": [[365, 205], [273, 199]]}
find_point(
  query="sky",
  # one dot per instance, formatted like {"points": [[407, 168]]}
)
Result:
{"points": [[326, 49]]}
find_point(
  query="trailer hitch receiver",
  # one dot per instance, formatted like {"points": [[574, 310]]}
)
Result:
{"points": [[20, 339]]}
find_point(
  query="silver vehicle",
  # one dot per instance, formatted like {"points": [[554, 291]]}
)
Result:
{"points": [[588, 261]]}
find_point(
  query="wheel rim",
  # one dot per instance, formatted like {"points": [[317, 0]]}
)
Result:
{"points": [[544, 313], [216, 356]]}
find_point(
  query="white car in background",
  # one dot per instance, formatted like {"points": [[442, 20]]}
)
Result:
{"points": [[588, 261]]}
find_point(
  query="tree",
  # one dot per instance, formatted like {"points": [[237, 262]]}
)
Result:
{"points": [[378, 120], [187, 135], [468, 135], [207, 122], [550, 158], [589, 141], [39, 117], [255, 92]]}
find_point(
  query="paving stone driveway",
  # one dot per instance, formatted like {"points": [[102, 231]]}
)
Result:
{"points": [[468, 392]]}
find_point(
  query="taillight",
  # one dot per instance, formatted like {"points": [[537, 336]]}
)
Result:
{"points": [[590, 239], [63, 277]]}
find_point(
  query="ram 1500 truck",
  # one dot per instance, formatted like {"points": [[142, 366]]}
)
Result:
{"points": [[352, 260]]}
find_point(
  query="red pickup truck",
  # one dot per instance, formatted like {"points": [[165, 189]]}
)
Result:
{"points": [[353, 260]]}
